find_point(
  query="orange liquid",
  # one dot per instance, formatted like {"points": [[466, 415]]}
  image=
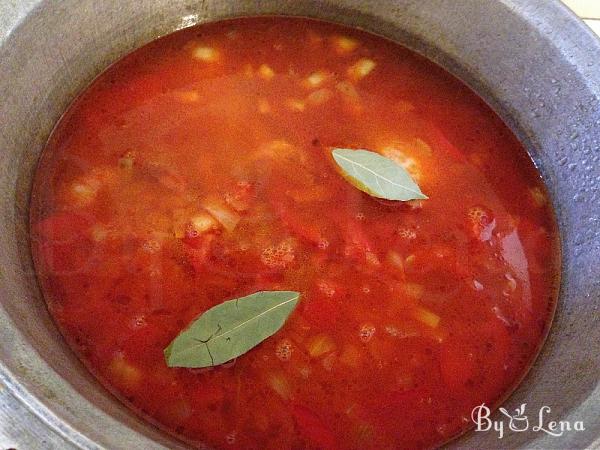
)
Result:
{"points": [[411, 313]]}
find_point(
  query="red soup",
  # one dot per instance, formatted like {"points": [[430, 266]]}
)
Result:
{"points": [[199, 169]]}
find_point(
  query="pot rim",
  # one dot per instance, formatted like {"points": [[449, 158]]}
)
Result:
{"points": [[582, 59]]}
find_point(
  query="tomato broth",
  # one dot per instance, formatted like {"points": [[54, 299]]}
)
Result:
{"points": [[198, 169]]}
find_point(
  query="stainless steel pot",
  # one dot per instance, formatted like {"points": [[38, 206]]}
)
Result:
{"points": [[535, 63]]}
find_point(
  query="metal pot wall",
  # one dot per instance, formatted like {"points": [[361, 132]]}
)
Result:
{"points": [[534, 62]]}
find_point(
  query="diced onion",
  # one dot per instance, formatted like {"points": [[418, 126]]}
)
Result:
{"points": [[361, 68], [226, 216], [124, 373], [395, 260], [295, 105], [203, 222], [280, 385], [319, 345], [316, 79], [84, 192], [189, 96], [350, 356], [414, 290], [344, 44], [426, 317], [206, 54], [538, 197], [266, 72]]}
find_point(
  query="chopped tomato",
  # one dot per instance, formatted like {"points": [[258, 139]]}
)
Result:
{"points": [[166, 177], [197, 250], [63, 227], [302, 224], [457, 363], [240, 196], [65, 259], [439, 141], [313, 428], [357, 244], [208, 394]]}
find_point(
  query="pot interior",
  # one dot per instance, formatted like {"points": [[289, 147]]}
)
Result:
{"points": [[545, 87]]}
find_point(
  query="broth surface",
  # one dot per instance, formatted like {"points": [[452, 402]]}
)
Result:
{"points": [[198, 169]]}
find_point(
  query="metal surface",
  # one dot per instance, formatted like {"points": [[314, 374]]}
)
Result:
{"points": [[532, 60], [20, 428]]}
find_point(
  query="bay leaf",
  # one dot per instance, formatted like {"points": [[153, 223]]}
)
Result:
{"points": [[230, 329], [376, 175]]}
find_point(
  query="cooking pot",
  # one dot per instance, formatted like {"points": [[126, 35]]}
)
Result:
{"points": [[531, 60]]}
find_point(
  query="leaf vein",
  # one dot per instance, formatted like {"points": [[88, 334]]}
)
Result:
{"points": [[241, 324], [377, 175]]}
